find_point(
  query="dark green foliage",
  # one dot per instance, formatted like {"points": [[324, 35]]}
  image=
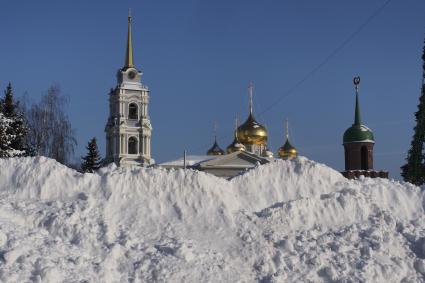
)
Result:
{"points": [[92, 161], [13, 130], [5, 139], [414, 170]]}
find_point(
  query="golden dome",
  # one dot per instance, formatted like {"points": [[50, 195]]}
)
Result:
{"points": [[252, 132], [287, 151], [235, 145], [267, 153], [215, 149]]}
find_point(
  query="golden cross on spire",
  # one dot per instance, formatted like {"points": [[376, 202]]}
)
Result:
{"points": [[236, 127], [250, 90], [287, 128]]}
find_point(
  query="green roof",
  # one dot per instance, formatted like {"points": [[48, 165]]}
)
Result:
{"points": [[358, 132]]}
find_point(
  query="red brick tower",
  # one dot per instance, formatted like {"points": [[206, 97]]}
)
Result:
{"points": [[358, 144]]}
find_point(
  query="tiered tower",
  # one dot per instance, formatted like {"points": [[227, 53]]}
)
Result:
{"points": [[128, 130]]}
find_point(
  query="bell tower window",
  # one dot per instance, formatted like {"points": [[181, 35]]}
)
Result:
{"points": [[132, 111], [364, 156], [132, 145]]}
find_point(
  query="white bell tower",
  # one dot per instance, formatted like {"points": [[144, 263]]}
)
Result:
{"points": [[128, 130]]}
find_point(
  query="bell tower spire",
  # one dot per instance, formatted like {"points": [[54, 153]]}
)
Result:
{"points": [[129, 60]]}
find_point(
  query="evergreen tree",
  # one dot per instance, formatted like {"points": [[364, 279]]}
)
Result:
{"points": [[14, 129], [92, 161], [414, 170], [5, 138]]}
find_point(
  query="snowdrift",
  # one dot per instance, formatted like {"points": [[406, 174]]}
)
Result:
{"points": [[287, 221]]}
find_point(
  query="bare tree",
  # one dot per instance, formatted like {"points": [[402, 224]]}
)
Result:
{"points": [[50, 132]]}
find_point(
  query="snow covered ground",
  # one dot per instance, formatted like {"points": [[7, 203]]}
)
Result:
{"points": [[287, 221]]}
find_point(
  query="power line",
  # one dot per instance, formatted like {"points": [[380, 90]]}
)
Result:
{"points": [[319, 66], [329, 57]]}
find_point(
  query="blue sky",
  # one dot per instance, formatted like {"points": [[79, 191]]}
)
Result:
{"points": [[198, 57]]}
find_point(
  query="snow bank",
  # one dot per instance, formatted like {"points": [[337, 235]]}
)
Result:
{"points": [[287, 221]]}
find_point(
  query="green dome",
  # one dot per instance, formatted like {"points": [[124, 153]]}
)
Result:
{"points": [[358, 133]]}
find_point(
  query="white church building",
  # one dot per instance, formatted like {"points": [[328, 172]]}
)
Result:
{"points": [[128, 129]]}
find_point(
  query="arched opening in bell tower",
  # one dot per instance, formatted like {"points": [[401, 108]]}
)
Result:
{"points": [[364, 157], [133, 111], [132, 145]]}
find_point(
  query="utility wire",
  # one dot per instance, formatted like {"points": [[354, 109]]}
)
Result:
{"points": [[318, 67], [329, 57]]}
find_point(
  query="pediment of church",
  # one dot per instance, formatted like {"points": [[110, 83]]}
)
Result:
{"points": [[240, 159]]}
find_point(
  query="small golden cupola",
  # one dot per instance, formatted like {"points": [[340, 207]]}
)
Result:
{"points": [[251, 132], [215, 149], [287, 151], [267, 153], [235, 145]]}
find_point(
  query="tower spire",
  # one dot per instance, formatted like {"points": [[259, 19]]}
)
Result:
{"points": [[250, 90], [129, 61], [357, 117]]}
